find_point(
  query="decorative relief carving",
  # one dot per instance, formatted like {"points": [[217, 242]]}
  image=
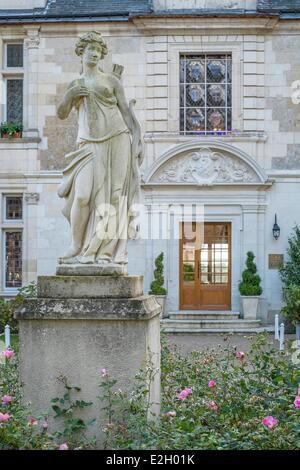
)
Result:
{"points": [[205, 167], [32, 40], [32, 198]]}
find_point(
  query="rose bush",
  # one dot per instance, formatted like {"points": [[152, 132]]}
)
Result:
{"points": [[216, 399]]}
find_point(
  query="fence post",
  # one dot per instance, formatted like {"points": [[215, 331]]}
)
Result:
{"points": [[277, 327], [281, 337], [7, 336]]}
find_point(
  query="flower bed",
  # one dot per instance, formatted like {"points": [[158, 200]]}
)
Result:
{"points": [[217, 399]]}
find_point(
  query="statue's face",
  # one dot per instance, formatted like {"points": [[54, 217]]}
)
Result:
{"points": [[92, 54]]}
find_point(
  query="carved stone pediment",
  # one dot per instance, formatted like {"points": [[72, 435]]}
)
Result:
{"points": [[205, 167]]}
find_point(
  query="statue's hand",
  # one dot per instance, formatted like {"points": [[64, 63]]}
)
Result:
{"points": [[137, 149], [77, 91]]}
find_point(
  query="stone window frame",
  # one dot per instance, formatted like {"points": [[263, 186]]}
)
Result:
{"points": [[14, 225], [224, 47], [10, 73], [205, 83]]}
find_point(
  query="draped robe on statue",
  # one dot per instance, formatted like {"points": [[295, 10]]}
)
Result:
{"points": [[105, 148]]}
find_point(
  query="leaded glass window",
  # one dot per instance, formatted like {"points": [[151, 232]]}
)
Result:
{"points": [[13, 207], [14, 100], [13, 259], [205, 94], [14, 55]]}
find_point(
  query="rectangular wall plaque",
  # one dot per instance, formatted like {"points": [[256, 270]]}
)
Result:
{"points": [[275, 261]]}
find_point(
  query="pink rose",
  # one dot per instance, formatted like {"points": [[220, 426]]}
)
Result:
{"points": [[170, 414], [212, 405], [6, 399], [64, 446], [4, 417], [184, 393], [8, 353], [297, 402], [45, 424], [240, 355], [212, 383], [270, 422], [32, 421], [104, 373]]}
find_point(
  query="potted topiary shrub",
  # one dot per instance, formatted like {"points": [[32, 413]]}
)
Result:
{"points": [[157, 286], [11, 130], [290, 277], [250, 288]]}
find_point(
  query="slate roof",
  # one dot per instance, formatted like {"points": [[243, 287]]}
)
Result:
{"points": [[279, 6], [123, 10], [56, 9], [93, 7]]}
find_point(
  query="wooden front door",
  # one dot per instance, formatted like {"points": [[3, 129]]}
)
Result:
{"points": [[205, 266]]}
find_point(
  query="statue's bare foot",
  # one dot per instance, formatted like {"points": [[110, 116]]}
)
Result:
{"points": [[71, 252], [104, 261]]}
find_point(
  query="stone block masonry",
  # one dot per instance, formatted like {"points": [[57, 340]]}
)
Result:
{"points": [[113, 326]]}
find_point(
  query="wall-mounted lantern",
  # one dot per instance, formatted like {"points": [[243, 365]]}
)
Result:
{"points": [[276, 229]]}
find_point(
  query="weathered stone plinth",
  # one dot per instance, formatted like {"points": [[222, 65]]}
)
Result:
{"points": [[79, 325]]}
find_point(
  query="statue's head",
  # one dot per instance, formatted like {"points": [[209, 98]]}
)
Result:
{"points": [[91, 47]]}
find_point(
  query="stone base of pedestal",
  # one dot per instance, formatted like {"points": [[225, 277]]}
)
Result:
{"points": [[74, 329]]}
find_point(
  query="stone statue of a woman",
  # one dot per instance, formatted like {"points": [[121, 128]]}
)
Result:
{"points": [[101, 181]]}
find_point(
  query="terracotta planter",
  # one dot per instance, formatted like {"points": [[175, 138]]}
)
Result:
{"points": [[16, 135], [250, 306]]}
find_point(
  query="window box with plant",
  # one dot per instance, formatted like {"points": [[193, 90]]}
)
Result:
{"points": [[290, 277], [10, 130], [157, 286], [250, 289]]}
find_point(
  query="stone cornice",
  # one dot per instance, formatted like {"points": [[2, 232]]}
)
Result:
{"points": [[199, 24]]}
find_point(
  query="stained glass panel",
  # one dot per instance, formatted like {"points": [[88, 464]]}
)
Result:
{"points": [[216, 119], [195, 71], [216, 71], [13, 259], [14, 55], [195, 95], [195, 119], [15, 100], [216, 95]]}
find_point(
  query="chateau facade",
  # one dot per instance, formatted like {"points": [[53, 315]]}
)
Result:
{"points": [[215, 84]]}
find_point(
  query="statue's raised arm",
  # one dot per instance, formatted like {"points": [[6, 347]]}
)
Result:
{"points": [[101, 181]]}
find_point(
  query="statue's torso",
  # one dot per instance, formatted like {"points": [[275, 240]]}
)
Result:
{"points": [[99, 115]]}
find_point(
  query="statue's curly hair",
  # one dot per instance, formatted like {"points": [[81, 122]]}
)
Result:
{"points": [[90, 38]]}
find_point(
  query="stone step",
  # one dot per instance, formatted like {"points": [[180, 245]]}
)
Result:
{"points": [[210, 324], [204, 315], [262, 329]]}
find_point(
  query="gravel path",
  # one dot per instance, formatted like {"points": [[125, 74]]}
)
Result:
{"points": [[192, 342]]}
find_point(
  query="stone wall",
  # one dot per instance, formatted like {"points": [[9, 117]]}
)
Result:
{"points": [[283, 118], [217, 4], [265, 121]]}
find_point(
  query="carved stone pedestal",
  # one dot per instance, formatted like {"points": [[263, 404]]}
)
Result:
{"points": [[79, 325]]}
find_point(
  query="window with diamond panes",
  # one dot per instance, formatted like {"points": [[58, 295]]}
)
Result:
{"points": [[13, 259], [13, 207], [205, 94], [14, 100], [14, 55]]}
